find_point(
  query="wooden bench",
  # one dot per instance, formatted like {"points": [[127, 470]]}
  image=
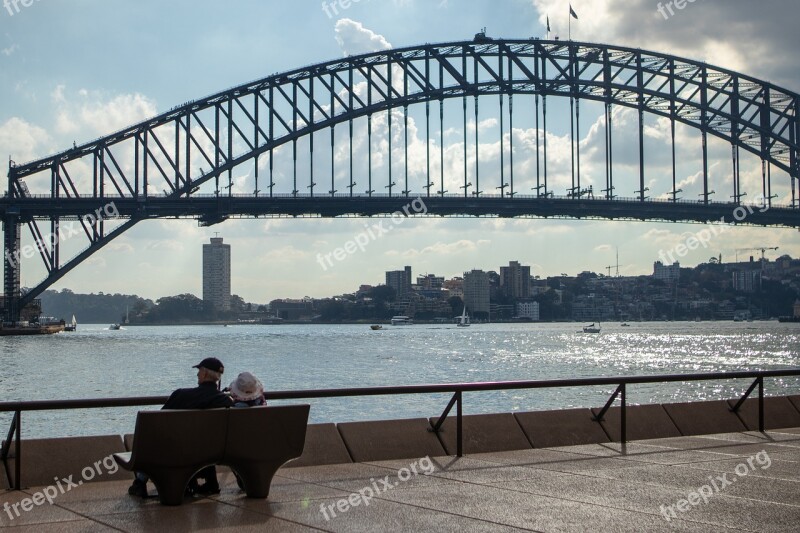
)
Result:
{"points": [[171, 446]]}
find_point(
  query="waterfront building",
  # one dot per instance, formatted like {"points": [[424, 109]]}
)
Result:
{"points": [[217, 274], [400, 281], [666, 272], [455, 287], [746, 280], [430, 281], [290, 309], [515, 280], [528, 309], [476, 291]]}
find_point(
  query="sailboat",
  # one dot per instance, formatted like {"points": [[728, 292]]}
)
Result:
{"points": [[72, 326], [463, 320]]}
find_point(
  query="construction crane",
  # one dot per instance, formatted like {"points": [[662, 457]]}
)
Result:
{"points": [[609, 267], [763, 249]]}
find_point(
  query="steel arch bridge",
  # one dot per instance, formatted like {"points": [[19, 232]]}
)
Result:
{"points": [[160, 167]]}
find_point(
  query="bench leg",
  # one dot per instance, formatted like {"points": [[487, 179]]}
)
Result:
{"points": [[171, 485], [257, 478]]}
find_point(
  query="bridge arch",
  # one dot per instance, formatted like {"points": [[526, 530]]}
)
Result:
{"points": [[232, 127]]}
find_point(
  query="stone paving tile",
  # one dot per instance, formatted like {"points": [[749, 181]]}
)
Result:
{"points": [[38, 514], [195, 517], [720, 509], [474, 470], [560, 462], [353, 477], [75, 526], [511, 506], [384, 515], [690, 479], [789, 470], [650, 453]]}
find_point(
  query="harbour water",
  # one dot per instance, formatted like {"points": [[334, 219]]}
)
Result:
{"points": [[95, 362]]}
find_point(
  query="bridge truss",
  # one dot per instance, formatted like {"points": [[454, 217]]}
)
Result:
{"points": [[164, 166]]}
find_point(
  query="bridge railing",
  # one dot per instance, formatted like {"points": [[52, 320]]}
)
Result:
{"points": [[457, 389], [420, 194]]}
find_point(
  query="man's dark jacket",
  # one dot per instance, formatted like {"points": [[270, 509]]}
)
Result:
{"points": [[204, 396]]}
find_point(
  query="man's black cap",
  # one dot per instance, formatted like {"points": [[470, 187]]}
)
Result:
{"points": [[211, 363]]}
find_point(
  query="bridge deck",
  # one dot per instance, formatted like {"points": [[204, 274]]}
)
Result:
{"points": [[577, 488]]}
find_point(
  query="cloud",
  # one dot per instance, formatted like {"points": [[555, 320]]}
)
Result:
{"points": [[166, 245], [96, 114], [355, 39], [10, 50], [22, 140], [284, 254], [440, 248], [737, 34]]}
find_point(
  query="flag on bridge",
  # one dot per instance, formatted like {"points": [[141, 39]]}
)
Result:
{"points": [[548, 24], [572, 12]]}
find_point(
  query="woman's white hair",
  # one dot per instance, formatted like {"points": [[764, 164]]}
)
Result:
{"points": [[216, 376]]}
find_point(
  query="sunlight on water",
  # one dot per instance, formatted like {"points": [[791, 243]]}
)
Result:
{"points": [[142, 361]]}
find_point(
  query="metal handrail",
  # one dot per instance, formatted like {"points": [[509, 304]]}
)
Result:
{"points": [[457, 389]]}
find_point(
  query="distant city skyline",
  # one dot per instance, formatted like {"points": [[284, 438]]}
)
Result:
{"points": [[148, 57]]}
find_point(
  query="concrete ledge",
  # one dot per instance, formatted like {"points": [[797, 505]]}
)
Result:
{"points": [[566, 427], [702, 418], [324, 446], [795, 401], [390, 439], [45, 459], [779, 412], [643, 422], [483, 434]]}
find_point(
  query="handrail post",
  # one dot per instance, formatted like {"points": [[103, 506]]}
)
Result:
{"points": [[18, 451], [752, 387], [456, 398], [607, 406], [7, 447], [761, 404], [623, 430], [459, 436]]}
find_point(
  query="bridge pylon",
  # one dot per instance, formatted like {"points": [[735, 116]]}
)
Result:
{"points": [[11, 268]]}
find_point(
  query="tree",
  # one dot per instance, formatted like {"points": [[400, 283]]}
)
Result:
{"points": [[382, 294], [456, 304]]}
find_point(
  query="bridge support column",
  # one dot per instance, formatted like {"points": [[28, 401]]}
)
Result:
{"points": [[11, 269]]}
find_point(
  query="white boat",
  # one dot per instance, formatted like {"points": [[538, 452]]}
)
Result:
{"points": [[401, 320], [591, 328], [73, 326], [463, 320], [114, 327]]}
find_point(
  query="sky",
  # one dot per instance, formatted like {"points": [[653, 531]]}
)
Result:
{"points": [[72, 71]]}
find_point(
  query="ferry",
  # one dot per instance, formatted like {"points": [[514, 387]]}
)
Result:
{"points": [[401, 320], [30, 328]]}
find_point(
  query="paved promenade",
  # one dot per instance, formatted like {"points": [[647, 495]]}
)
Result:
{"points": [[736, 481]]}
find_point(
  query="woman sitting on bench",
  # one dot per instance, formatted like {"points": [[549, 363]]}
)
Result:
{"points": [[247, 391]]}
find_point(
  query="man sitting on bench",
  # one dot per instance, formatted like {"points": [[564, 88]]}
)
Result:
{"points": [[205, 396]]}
